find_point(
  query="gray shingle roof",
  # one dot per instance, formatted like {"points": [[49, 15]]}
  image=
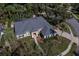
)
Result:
{"points": [[75, 24], [1, 27], [32, 24]]}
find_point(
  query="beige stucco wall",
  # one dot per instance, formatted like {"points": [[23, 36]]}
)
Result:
{"points": [[23, 35]]}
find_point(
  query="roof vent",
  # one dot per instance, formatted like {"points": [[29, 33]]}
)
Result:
{"points": [[34, 16], [12, 25]]}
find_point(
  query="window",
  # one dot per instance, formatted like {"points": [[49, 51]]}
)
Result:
{"points": [[21, 36], [27, 33]]}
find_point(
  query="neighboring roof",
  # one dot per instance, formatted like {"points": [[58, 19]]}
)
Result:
{"points": [[77, 51], [1, 27], [75, 24], [31, 25]]}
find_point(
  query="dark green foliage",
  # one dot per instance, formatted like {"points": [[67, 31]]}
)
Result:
{"points": [[14, 12]]}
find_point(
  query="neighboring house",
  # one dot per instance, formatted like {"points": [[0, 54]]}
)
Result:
{"points": [[33, 27], [77, 51], [1, 29]]}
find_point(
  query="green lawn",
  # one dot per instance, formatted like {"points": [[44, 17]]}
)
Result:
{"points": [[71, 53], [55, 45], [52, 46]]}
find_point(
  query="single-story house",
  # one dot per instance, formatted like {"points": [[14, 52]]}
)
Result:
{"points": [[33, 26]]}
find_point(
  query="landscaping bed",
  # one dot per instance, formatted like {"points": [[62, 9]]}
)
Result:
{"points": [[64, 27]]}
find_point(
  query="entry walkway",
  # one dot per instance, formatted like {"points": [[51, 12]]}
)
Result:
{"points": [[36, 42]]}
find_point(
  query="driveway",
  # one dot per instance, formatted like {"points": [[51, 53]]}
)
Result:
{"points": [[70, 44], [75, 24], [40, 48], [67, 35]]}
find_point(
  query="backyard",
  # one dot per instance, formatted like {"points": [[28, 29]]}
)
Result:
{"points": [[52, 46], [55, 45], [26, 46], [72, 51]]}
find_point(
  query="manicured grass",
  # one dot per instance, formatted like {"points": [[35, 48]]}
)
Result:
{"points": [[52, 46], [71, 53], [55, 45]]}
